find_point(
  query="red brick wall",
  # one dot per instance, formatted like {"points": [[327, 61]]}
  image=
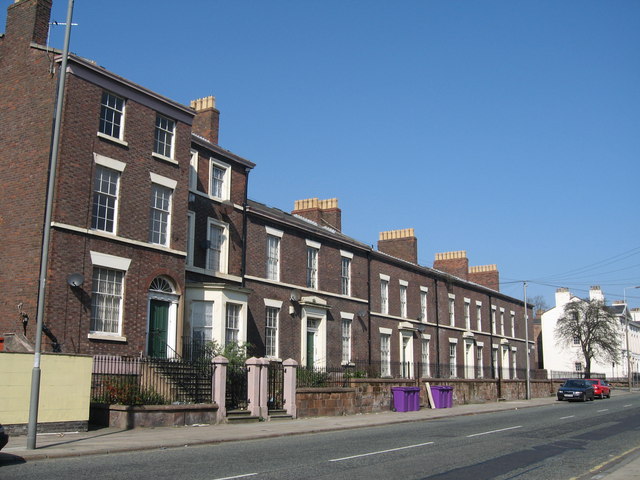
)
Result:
{"points": [[26, 101]]}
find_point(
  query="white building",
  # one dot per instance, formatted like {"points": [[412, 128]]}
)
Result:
{"points": [[568, 359]]}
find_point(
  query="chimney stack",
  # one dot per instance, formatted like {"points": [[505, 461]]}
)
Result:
{"points": [[207, 120], [323, 212], [28, 21], [455, 263], [486, 275], [595, 293], [401, 244], [563, 295]]}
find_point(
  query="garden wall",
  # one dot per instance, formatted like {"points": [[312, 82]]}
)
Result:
{"points": [[65, 390], [374, 395]]}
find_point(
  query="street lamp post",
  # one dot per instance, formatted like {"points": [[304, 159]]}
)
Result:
{"points": [[526, 341], [626, 312]]}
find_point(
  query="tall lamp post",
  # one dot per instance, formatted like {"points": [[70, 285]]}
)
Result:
{"points": [[34, 400], [626, 312], [526, 341]]}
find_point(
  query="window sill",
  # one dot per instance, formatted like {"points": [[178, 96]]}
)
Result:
{"points": [[157, 156], [112, 139], [107, 337]]}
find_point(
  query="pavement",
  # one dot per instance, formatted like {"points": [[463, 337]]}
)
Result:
{"points": [[114, 440]]}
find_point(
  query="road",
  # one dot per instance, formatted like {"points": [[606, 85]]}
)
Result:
{"points": [[560, 441]]}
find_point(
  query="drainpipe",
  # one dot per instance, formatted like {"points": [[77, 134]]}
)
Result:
{"points": [[437, 332], [245, 205], [369, 304]]}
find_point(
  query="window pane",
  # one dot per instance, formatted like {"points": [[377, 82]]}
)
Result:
{"points": [[160, 214], [106, 300], [216, 241], [271, 332], [273, 257], [105, 194], [232, 326], [111, 115], [164, 133]]}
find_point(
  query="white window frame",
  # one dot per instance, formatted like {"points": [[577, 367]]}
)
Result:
{"points": [[224, 246], [271, 331], [273, 258], [425, 355], [479, 315], [345, 275], [164, 137], [513, 323], [424, 305], [346, 336], [107, 200], [384, 294], [205, 323], [493, 320], [313, 254], [452, 310], [107, 262], [479, 360], [224, 192], [385, 352], [160, 214], [232, 323], [467, 314], [502, 321], [404, 286], [116, 112], [453, 358], [191, 237], [193, 171]]}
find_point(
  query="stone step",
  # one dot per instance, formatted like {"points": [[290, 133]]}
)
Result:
{"points": [[241, 416]]}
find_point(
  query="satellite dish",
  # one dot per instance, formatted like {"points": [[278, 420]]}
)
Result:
{"points": [[75, 280], [295, 295]]}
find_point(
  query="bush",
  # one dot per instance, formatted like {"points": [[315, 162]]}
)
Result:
{"points": [[311, 378], [124, 390]]}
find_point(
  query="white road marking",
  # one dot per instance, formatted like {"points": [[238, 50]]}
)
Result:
{"points": [[564, 418], [603, 410], [625, 406], [381, 451], [236, 476], [493, 431]]}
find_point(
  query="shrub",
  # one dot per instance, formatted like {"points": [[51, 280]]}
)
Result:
{"points": [[124, 390]]}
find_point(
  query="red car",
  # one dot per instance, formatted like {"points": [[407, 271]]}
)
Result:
{"points": [[600, 388]]}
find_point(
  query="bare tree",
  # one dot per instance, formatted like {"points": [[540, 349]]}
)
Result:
{"points": [[539, 304], [589, 324]]}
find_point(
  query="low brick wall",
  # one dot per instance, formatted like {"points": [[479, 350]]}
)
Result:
{"points": [[374, 395], [136, 416], [362, 396]]}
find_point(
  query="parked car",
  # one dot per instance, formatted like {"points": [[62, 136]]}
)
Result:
{"points": [[4, 438], [600, 388], [576, 390]]}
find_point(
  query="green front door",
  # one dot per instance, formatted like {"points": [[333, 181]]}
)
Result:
{"points": [[311, 338], [158, 328]]}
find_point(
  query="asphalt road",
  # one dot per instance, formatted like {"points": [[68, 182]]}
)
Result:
{"points": [[561, 441]]}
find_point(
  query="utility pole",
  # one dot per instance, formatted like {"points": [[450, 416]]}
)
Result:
{"points": [[526, 341], [32, 426]]}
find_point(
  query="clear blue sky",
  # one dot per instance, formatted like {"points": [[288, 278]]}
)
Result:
{"points": [[509, 129]]}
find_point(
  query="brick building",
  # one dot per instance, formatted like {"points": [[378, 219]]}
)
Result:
{"points": [[154, 215]]}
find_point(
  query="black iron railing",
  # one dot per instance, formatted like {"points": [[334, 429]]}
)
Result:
{"points": [[149, 381]]}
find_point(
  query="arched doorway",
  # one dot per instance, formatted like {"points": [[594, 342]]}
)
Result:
{"points": [[162, 319]]}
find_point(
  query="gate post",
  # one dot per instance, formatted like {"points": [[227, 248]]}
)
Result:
{"points": [[219, 386], [264, 388], [256, 396], [289, 394]]}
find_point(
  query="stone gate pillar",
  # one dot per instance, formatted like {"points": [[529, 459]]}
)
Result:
{"points": [[219, 386], [289, 393]]}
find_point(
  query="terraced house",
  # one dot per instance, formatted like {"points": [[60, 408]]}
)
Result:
{"points": [[156, 248]]}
